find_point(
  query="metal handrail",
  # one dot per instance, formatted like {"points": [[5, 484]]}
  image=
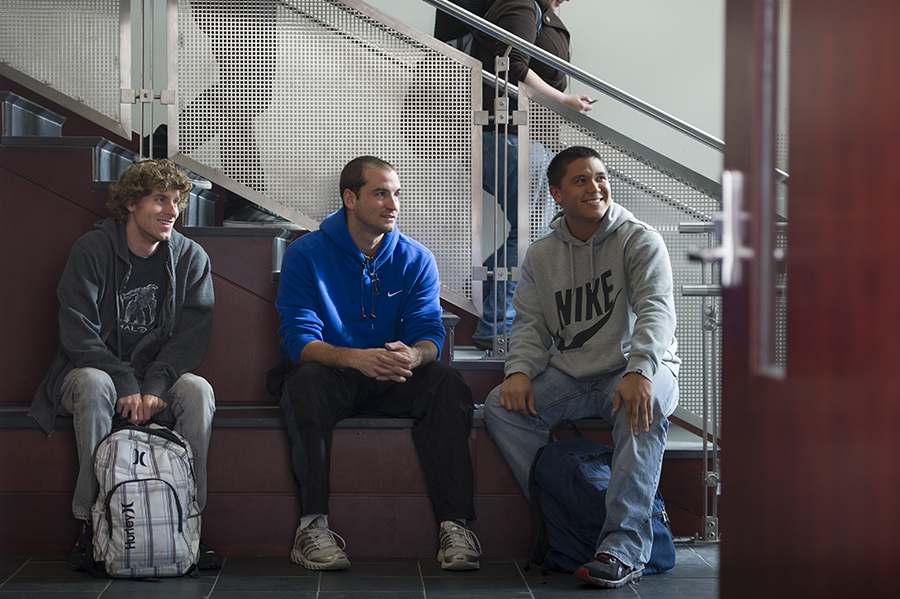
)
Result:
{"points": [[579, 74]]}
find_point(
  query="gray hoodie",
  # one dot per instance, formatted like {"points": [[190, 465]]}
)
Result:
{"points": [[98, 266], [606, 304]]}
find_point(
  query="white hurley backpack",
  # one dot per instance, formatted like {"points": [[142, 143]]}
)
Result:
{"points": [[146, 519]]}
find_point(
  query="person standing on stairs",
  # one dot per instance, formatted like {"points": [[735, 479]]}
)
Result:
{"points": [[536, 22]]}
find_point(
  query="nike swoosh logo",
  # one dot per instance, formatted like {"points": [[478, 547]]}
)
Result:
{"points": [[393, 294], [581, 338]]}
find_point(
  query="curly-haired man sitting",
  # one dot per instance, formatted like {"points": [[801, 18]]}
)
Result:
{"points": [[110, 362]]}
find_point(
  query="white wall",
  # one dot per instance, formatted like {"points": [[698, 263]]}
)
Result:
{"points": [[668, 53]]}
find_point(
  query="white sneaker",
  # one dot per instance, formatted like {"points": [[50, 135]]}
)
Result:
{"points": [[315, 548], [460, 548]]}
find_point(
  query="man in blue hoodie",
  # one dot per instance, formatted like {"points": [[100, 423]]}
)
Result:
{"points": [[598, 289], [361, 333]]}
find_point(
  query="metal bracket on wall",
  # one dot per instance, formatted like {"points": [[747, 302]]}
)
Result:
{"points": [[710, 529]]}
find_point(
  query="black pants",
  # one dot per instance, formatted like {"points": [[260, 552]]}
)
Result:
{"points": [[314, 398]]}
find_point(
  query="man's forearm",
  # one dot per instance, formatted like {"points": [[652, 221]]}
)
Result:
{"points": [[428, 352], [329, 355], [347, 357]]}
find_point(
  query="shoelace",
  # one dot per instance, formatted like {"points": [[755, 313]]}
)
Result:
{"points": [[322, 538], [457, 535]]}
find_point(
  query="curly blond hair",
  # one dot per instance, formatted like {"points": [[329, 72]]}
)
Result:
{"points": [[143, 178]]}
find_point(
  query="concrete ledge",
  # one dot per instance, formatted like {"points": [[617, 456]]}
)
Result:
{"points": [[230, 416]]}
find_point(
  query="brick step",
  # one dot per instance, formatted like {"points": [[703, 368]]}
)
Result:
{"points": [[379, 504]]}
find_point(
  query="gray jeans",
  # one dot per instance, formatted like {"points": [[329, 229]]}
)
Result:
{"points": [[88, 394]]}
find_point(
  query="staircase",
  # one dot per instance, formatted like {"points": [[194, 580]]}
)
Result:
{"points": [[56, 180]]}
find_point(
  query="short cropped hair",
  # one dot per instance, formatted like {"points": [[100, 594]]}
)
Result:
{"points": [[353, 176], [143, 178], [561, 162]]}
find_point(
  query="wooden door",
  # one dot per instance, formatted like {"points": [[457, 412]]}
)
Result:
{"points": [[811, 461]]}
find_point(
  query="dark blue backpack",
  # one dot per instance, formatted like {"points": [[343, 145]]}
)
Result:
{"points": [[567, 485]]}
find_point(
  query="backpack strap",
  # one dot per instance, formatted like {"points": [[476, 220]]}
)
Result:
{"points": [[150, 429], [541, 541], [564, 424], [95, 569]]}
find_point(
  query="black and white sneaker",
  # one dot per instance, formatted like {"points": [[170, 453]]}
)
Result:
{"points": [[196, 180], [84, 544], [460, 549], [259, 217], [606, 571], [316, 548], [209, 558]]}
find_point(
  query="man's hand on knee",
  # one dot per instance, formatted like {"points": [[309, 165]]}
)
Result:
{"points": [[517, 394], [635, 392]]}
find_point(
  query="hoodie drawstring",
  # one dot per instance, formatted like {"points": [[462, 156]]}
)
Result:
{"points": [[368, 267], [572, 262], [592, 258], [572, 267]]}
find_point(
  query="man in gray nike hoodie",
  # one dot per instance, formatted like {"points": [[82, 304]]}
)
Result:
{"points": [[594, 336]]}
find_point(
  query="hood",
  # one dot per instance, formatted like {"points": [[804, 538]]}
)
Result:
{"points": [[335, 227], [615, 217], [116, 233]]}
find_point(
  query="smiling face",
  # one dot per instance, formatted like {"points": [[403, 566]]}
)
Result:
{"points": [[584, 195], [373, 211], [151, 220]]}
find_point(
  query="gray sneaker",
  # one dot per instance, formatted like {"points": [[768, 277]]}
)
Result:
{"points": [[460, 548], [256, 216], [315, 548]]}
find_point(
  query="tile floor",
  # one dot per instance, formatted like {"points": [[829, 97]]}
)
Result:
{"points": [[695, 576]]}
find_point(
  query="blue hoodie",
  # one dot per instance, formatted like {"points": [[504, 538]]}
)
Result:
{"points": [[326, 292]]}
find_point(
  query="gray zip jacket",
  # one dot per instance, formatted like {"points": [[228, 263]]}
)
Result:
{"points": [[605, 304], [97, 268]]}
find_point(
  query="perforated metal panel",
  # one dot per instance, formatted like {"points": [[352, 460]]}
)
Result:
{"points": [[72, 47], [657, 193], [278, 96]]}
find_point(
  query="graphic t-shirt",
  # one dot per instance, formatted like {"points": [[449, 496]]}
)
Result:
{"points": [[140, 300]]}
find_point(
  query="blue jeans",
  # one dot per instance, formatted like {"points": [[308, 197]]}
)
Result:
{"points": [[636, 463], [510, 249], [90, 396]]}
